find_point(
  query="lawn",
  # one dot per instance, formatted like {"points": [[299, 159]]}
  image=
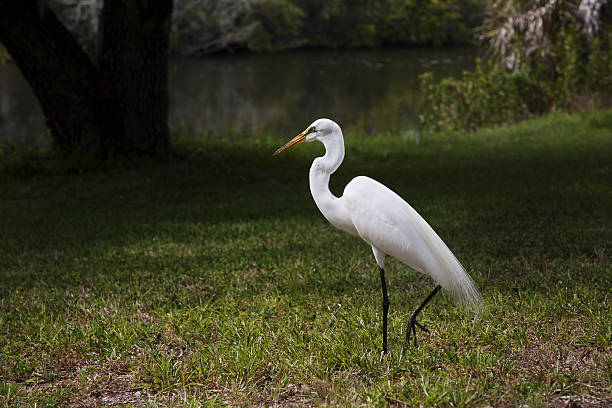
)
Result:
{"points": [[212, 279]]}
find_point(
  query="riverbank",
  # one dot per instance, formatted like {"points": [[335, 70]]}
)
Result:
{"points": [[231, 96], [214, 277]]}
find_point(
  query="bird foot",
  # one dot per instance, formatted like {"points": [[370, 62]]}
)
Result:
{"points": [[412, 324]]}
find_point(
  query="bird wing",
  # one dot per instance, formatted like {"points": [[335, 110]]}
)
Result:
{"points": [[387, 222], [381, 218]]}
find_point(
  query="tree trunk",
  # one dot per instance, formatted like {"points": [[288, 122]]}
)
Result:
{"points": [[73, 96], [120, 107], [133, 52]]}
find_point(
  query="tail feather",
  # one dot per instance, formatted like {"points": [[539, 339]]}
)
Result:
{"points": [[458, 282], [450, 274]]}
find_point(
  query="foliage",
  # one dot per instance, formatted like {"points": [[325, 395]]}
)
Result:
{"points": [[201, 27], [544, 62], [277, 25], [341, 23], [519, 31], [268, 25], [488, 95], [432, 22], [215, 278], [206, 26]]}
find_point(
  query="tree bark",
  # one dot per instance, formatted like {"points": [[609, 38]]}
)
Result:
{"points": [[120, 107], [133, 42]]}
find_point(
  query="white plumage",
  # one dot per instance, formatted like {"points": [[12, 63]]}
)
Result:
{"points": [[374, 213], [392, 227]]}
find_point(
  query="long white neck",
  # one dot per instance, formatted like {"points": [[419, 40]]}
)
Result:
{"points": [[320, 171]]}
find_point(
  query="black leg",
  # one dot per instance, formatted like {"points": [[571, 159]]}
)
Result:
{"points": [[385, 305], [412, 323]]}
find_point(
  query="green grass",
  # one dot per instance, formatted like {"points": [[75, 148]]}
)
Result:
{"points": [[213, 280]]}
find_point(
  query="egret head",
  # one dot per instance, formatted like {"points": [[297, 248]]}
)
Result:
{"points": [[318, 130]]}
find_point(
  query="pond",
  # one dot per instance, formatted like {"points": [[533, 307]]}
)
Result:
{"points": [[249, 95]]}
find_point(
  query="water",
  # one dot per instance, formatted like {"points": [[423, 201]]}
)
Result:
{"points": [[249, 95]]}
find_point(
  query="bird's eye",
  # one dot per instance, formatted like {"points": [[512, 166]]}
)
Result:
{"points": [[312, 130]]}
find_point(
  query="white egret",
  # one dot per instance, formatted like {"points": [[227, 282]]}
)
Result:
{"points": [[380, 217]]}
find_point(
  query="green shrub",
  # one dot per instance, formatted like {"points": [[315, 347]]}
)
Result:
{"points": [[598, 70], [577, 76], [486, 96]]}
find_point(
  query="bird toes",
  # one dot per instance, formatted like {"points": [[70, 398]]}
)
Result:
{"points": [[412, 324], [421, 326]]}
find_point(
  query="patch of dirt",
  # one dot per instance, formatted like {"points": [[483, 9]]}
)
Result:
{"points": [[580, 401], [119, 391], [582, 365]]}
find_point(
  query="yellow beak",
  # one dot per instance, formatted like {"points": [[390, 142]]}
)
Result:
{"points": [[298, 139]]}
